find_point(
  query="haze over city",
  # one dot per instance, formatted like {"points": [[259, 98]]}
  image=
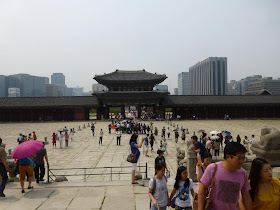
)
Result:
{"points": [[83, 38]]}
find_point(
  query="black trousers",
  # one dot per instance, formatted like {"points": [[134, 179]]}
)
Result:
{"points": [[100, 140], [217, 152], [39, 171], [4, 176], [118, 140]]}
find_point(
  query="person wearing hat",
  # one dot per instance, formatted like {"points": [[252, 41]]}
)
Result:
{"points": [[160, 158], [3, 169]]}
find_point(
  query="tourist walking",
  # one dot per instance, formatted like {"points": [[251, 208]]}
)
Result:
{"points": [[158, 192], [227, 175], [20, 138], [176, 136], [217, 147], [156, 131], [60, 137], [146, 145], [54, 140], [152, 141], [265, 189], [183, 136], [208, 145], [198, 147], [160, 158], [152, 128], [253, 139], [221, 140], [71, 134], [134, 147], [40, 165], [168, 133], [201, 167], [119, 135], [246, 143], [100, 136], [109, 128], [238, 139], [182, 188], [66, 139], [26, 167], [92, 129], [164, 146], [34, 136], [3, 169], [163, 133]]}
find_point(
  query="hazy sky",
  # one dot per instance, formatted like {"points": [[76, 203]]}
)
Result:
{"points": [[82, 38]]}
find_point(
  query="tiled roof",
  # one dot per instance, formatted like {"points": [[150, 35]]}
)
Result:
{"points": [[220, 100], [121, 75], [66, 101]]}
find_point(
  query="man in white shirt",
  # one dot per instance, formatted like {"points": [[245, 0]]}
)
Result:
{"points": [[60, 137], [119, 135]]}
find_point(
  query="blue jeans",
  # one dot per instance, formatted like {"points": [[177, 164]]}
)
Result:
{"points": [[156, 208], [4, 176]]}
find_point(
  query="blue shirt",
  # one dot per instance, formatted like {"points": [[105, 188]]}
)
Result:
{"points": [[146, 141], [135, 150], [25, 161]]}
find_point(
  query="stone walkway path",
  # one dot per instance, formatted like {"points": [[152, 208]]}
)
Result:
{"points": [[96, 192]]}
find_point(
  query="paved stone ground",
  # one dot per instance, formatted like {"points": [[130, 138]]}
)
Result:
{"points": [[96, 192]]}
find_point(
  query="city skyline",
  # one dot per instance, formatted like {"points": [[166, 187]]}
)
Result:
{"points": [[84, 39]]}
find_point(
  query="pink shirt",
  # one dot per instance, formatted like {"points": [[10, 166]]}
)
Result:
{"points": [[227, 186], [199, 170]]}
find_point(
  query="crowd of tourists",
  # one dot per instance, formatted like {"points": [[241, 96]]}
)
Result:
{"points": [[26, 167], [22, 138], [221, 185]]}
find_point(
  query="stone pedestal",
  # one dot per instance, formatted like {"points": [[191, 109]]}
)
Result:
{"points": [[191, 164], [84, 126], [46, 141], [269, 146], [79, 128]]}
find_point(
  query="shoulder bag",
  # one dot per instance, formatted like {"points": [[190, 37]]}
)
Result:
{"points": [[207, 199], [131, 158]]}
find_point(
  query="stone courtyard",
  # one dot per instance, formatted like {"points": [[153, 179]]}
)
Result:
{"points": [[98, 191]]}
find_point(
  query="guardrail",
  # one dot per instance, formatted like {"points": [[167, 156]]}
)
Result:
{"points": [[50, 173]]}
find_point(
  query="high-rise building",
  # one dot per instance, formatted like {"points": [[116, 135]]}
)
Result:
{"points": [[51, 90], [209, 77], [266, 84], [78, 91], [234, 88], [58, 79], [39, 86], [183, 83], [98, 88], [175, 91], [161, 87], [244, 83], [26, 84], [30, 86], [2, 86]]}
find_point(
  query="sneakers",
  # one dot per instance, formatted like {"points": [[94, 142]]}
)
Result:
{"points": [[30, 187], [2, 195], [22, 191]]}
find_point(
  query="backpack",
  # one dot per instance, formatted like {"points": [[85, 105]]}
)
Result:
{"points": [[155, 186]]}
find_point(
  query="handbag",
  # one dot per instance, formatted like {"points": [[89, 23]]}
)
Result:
{"points": [[131, 158], [207, 199]]}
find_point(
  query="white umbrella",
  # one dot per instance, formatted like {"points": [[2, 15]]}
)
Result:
{"points": [[214, 132], [214, 137]]}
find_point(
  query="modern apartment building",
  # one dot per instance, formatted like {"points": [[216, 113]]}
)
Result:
{"points": [[183, 83], [209, 77], [267, 84]]}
